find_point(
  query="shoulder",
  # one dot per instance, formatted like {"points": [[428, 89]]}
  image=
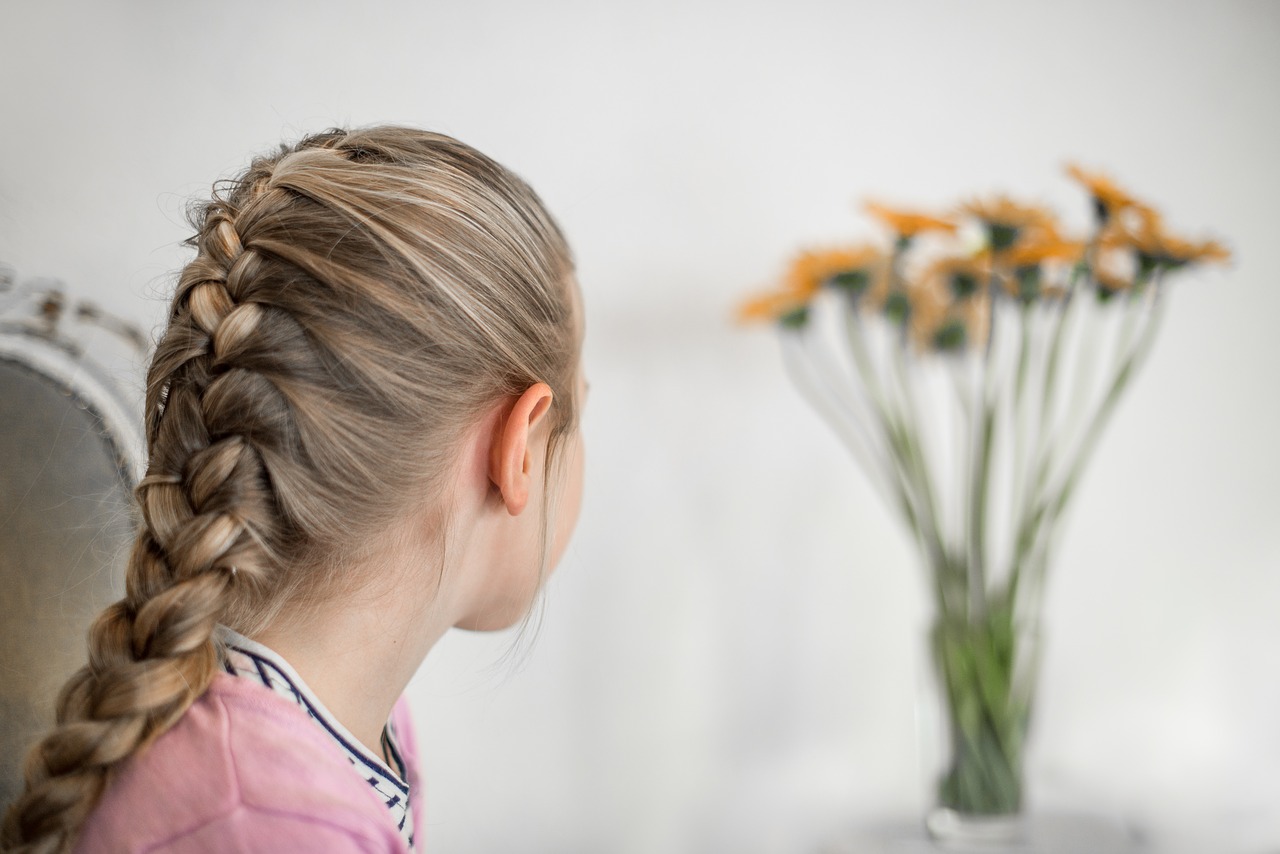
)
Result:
{"points": [[243, 769]]}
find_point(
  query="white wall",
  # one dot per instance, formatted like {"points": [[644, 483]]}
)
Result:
{"points": [[729, 660]]}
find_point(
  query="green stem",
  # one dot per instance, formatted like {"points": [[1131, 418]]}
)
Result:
{"points": [[913, 447], [838, 400], [1050, 508], [894, 426], [986, 690], [1019, 426], [984, 437], [1128, 368], [980, 489], [1042, 459]]}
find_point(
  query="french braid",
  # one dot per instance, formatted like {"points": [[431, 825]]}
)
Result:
{"points": [[349, 296]]}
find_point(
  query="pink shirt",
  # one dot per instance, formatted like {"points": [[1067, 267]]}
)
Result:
{"points": [[247, 770]]}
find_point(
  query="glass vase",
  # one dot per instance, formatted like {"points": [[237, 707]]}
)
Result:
{"points": [[984, 671]]}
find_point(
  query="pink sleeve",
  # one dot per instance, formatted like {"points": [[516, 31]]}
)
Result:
{"points": [[257, 832]]}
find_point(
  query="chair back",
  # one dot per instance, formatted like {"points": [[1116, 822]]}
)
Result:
{"points": [[71, 452]]}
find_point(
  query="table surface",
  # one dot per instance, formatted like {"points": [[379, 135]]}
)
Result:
{"points": [[1065, 833]]}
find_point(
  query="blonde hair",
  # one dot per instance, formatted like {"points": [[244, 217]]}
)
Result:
{"points": [[355, 301]]}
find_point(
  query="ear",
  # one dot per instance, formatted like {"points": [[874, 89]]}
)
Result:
{"points": [[510, 453]]}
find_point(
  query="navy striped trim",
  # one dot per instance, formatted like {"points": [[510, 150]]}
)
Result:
{"points": [[389, 739], [359, 753], [244, 657]]}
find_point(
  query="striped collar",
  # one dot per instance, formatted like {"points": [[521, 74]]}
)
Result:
{"points": [[250, 659]]}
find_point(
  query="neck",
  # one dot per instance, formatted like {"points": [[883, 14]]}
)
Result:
{"points": [[358, 674], [358, 653]]}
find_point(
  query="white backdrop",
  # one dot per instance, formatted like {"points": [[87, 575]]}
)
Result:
{"points": [[730, 655]]}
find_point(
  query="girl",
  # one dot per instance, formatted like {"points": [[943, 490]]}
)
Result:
{"points": [[362, 431]]}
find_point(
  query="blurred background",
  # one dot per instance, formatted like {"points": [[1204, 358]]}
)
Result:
{"points": [[731, 656]]}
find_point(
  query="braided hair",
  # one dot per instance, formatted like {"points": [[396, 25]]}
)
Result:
{"points": [[354, 302]]}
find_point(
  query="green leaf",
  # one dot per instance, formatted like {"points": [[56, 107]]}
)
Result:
{"points": [[1028, 282], [897, 307], [797, 318], [951, 336], [1002, 236], [853, 282], [963, 285]]}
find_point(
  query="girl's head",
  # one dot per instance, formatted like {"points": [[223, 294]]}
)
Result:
{"points": [[360, 304]]}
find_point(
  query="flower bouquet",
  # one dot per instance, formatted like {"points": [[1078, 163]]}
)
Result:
{"points": [[970, 365]]}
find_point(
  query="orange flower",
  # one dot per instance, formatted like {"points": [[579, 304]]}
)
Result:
{"points": [[960, 276], [1042, 248], [769, 307], [1147, 235], [941, 321], [1111, 283], [806, 275], [929, 305], [1161, 247], [1028, 262], [908, 223], [1002, 210], [814, 268], [1007, 221], [1106, 193]]}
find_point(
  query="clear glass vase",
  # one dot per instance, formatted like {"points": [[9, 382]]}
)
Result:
{"points": [[984, 672]]}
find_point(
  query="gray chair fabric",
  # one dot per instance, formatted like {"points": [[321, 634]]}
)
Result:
{"points": [[66, 525]]}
